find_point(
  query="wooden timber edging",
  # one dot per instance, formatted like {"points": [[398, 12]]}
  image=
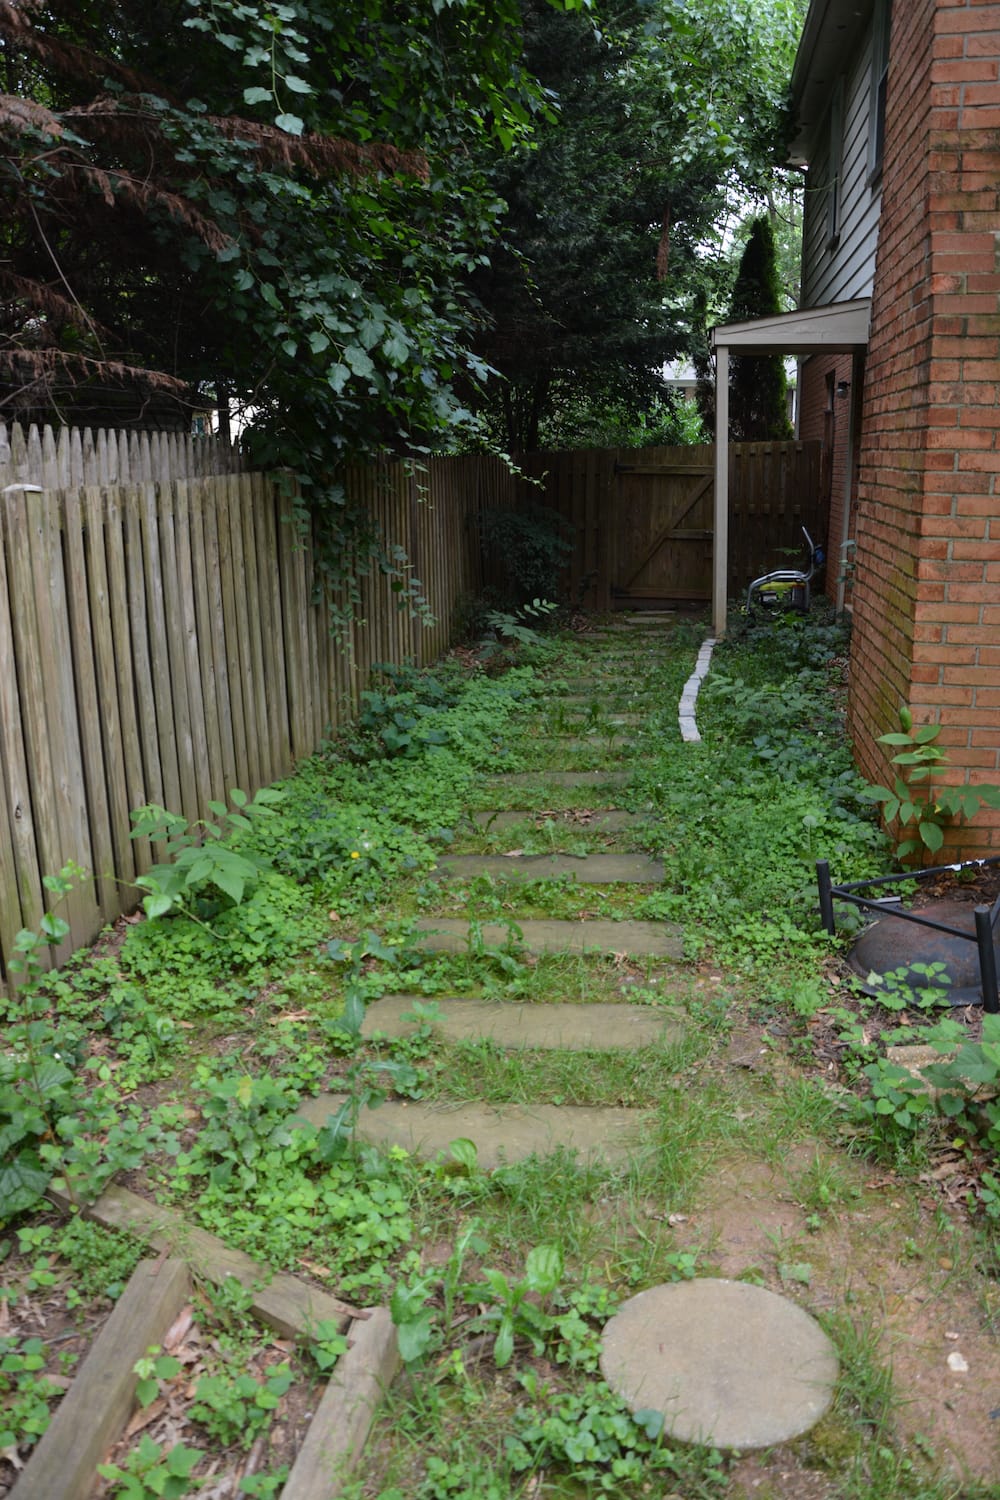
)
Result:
{"points": [[96, 1407]]}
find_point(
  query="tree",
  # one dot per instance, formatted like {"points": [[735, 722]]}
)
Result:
{"points": [[758, 389], [667, 115]]}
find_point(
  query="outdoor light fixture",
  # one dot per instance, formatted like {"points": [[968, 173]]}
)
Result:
{"points": [[843, 386]]}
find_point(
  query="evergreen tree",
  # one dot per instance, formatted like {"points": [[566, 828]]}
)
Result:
{"points": [[758, 389]]}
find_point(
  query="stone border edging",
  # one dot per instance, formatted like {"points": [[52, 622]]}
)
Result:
{"points": [[689, 697]]}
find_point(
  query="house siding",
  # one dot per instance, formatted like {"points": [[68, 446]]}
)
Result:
{"points": [[842, 270], [927, 590]]}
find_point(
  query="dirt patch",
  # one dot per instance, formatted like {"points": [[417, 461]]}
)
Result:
{"points": [[903, 1275]]}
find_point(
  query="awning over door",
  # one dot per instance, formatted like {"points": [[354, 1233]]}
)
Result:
{"points": [[838, 328]]}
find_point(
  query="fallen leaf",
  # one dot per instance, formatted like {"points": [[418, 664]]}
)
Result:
{"points": [[144, 1416], [178, 1330]]}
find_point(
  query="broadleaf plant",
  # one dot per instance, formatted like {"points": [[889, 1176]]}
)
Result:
{"points": [[917, 800]]}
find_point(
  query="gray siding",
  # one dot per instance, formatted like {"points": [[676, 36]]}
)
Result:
{"points": [[843, 269]]}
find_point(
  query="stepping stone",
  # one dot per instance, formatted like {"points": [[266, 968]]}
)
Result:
{"points": [[620, 721], [584, 1028], [597, 744], [588, 869], [502, 1133], [609, 820], [600, 694], [728, 1364], [638, 939], [562, 778]]}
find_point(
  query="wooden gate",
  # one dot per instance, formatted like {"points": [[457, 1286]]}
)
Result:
{"points": [[661, 527], [642, 519]]}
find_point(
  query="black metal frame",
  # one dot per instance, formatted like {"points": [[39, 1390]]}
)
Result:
{"points": [[985, 916]]}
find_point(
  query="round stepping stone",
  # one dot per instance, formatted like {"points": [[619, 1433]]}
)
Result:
{"points": [[728, 1364]]}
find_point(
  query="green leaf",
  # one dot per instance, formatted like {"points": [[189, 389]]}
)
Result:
{"points": [[22, 1183], [932, 835], [465, 1153], [297, 85], [415, 1337], [157, 906], [337, 377], [257, 96], [359, 361], [503, 1349], [146, 1391], [290, 124], [650, 1421], [543, 1268]]}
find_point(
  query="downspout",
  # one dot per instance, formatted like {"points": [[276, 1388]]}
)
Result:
{"points": [[720, 548], [857, 366]]}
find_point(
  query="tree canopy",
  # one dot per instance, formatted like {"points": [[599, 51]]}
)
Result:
{"points": [[278, 199], [342, 213], [619, 209]]}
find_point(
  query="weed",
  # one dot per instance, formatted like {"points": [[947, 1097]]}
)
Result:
{"points": [[202, 864], [153, 1472], [26, 1393], [917, 797], [235, 1409]]}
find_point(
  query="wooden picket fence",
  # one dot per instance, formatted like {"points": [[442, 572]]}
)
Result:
{"points": [[54, 459], [160, 643]]}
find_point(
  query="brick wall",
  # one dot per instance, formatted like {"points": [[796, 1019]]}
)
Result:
{"points": [[927, 591]]}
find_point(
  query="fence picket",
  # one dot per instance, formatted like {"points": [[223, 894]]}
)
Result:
{"points": [[57, 716], [196, 688], [20, 880], [216, 784], [158, 649], [144, 776], [95, 749]]}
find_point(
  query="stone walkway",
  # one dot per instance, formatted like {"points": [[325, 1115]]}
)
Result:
{"points": [[713, 1386]]}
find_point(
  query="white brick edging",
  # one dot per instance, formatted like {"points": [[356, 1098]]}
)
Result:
{"points": [[689, 697]]}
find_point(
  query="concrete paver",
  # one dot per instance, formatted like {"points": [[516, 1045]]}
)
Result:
{"points": [[726, 1363], [505, 1133], [561, 778], [639, 939], [588, 869], [608, 820], [596, 1027]]}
